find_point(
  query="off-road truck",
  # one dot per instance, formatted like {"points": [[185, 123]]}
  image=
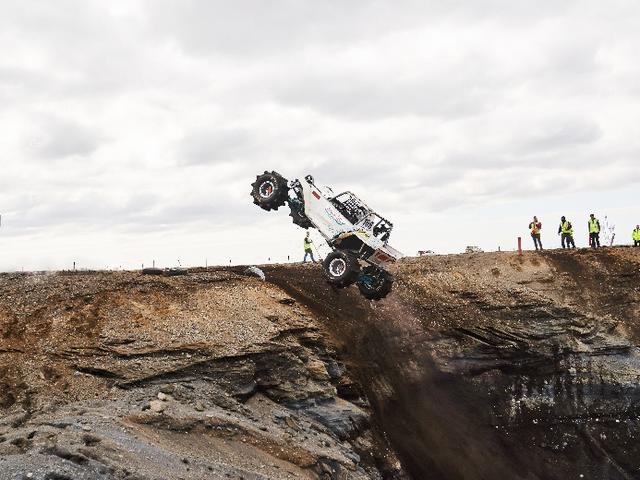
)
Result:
{"points": [[357, 235]]}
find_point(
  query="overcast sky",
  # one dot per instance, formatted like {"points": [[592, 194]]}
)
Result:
{"points": [[131, 130]]}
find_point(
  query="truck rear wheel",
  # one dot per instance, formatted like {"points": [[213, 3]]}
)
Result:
{"points": [[374, 283], [342, 268], [270, 191]]}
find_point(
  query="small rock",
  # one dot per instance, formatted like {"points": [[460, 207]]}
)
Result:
{"points": [[292, 424], [199, 407], [167, 389], [86, 428], [157, 406], [326, 468], [163, 396], [280, 415], [254, 272], [354, 457]]}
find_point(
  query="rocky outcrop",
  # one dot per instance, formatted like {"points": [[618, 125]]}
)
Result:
{"points": [[213, 375]]}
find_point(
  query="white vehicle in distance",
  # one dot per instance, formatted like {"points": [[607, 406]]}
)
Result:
{"points": [[357, 235]]}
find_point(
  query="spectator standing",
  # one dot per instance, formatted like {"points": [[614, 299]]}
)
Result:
{"points": [[308, 251], [565, 230], [594, 231], [535, 228], [636, 236]]}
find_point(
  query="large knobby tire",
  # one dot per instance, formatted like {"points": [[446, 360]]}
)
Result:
{"points": [[341, 268], [374, 283], [298, 216], [270, 191]]}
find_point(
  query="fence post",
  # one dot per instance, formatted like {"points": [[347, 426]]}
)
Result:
{"points": [[519, 245]]}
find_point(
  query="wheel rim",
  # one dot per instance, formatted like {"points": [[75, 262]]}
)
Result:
{"points": [[368, 281], [266, 189], [373, 281], [337, 267]]}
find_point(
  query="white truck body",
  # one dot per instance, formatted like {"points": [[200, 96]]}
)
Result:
{"points": [[334, 226], [356, 234]]}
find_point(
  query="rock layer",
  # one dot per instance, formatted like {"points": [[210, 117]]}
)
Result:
{"points": [[211, 375]]}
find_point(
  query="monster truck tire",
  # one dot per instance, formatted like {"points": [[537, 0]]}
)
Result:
{"points": [[270, 191], [342, 268], [300, 219], [374, 283]]}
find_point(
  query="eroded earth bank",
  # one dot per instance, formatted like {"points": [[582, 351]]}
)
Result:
{"points": [[477, 366]]}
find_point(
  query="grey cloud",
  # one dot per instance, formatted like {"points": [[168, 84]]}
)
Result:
{"points": [[367, 95], [93, 210], [215, 145], [58, 137], [559, 135], [254, 28]]}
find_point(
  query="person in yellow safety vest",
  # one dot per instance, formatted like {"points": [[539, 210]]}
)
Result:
{"points": [[636, 236], [565, 230], [535, 228], [594, 231], [307, 249]]}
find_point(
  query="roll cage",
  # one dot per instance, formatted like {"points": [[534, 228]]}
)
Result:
{"points": [[361, 216]]}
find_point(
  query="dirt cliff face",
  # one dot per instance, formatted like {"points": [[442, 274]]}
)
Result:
{"points": [[477, 366], [211, 375], [499, 365]]}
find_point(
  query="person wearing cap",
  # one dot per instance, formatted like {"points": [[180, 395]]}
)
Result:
{"points": [[535, 226], [565, 230], [594, 231]]}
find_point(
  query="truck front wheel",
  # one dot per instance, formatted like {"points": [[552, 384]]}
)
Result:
{"points": [[270, 191], [342, 268]]}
